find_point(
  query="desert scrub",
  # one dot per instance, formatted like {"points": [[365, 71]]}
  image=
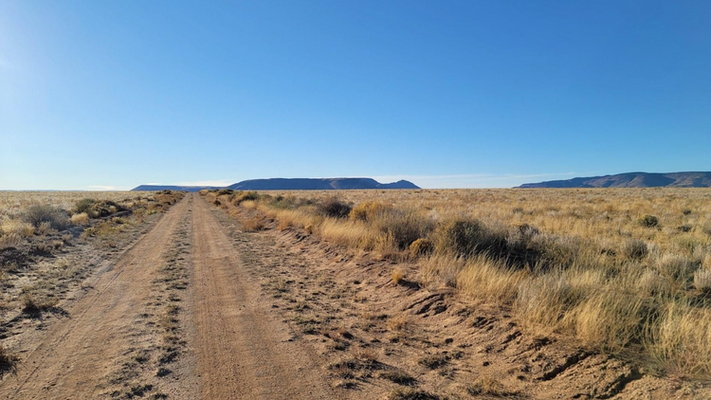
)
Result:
{"points": [[334, 208], [421, 247], [8, 362], [50, 216], [583, 263], [80, 219], [649, 221]]}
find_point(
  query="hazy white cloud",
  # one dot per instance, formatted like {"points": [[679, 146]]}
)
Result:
{"points": [[473, 180], [217, 182], [101, 187]]}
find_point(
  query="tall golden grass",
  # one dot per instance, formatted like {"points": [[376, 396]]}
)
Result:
{"points": [[619, 269]]}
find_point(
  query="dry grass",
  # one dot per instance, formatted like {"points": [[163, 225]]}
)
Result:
{"points": [[617, 268], [397, 275]]}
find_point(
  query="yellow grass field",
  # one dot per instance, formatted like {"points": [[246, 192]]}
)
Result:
{"points": [[622, 270]]}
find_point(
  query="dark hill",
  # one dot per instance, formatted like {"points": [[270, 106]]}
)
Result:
{"points": [[631, 180], [294, 184]]}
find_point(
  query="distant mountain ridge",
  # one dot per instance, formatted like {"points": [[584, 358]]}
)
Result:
{"points": [[293, 184], [631, 180]]}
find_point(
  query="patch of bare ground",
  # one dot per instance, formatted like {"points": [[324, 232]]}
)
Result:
{"points": [[152, 366], [379, 339], [242, 350]]}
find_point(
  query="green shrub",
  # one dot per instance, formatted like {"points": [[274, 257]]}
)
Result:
{"points": [[84, 206]]}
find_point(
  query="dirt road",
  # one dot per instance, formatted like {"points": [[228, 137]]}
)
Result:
{"points": [[237, 348], [243, 351]]}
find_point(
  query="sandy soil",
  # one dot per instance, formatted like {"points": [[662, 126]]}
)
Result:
{"points": [[199, 308]]}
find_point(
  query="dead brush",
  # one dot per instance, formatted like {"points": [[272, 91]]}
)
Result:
{"points": [[33, 306], [488, 385], [8, 362], [253, 224], [397, 275], [398, 322]]}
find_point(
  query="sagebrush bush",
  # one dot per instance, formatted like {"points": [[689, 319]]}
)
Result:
{"points": [[84, 206], [464, 237], [243, 196], [702, 280], [401, 227], [335, 208], [635, 249], [649, 221], [676, 266], [56, 217]]}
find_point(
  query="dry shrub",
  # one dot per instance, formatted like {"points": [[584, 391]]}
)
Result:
{"points": [[250, 204], [542, 302], [421, 247], [245, 196], [84, 206], [20, 228], [253, 224], [652, 283], [402, 228], [702, 280], [80, 219], [353, 234], [34, 306], [635, 249], [676, 266], [397, 275], [44, 228], [681, 339], [464, 237], [610, 319], [487, 385], [649, 221], [440, 271], [334, 208], [45, 214], [8, 362], [398, 322], [10, 240], [488, 280]]}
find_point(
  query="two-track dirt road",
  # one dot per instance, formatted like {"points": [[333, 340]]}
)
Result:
{"points": [[235, 346]]}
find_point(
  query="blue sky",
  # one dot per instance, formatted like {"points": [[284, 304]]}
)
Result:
{"points": [[113, 94]]}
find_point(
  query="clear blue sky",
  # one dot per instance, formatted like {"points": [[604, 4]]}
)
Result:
{"points": [[446, 93]]}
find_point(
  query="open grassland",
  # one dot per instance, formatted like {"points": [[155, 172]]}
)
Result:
{"points": [[625, 271]]}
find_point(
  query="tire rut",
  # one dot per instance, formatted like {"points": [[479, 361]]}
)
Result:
{"points": [[243, 351]]}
